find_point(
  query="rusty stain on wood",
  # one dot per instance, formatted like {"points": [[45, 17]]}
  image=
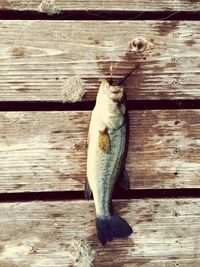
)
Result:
{"points": [[190, 42], [160, 236], [18, 52], [34, 66], [166, 27], [49, 147], [111, 5]]}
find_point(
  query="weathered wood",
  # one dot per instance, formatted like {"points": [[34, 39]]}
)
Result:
{"points": [[45, 151], [127, 5], [35, 61], [39, 233]]}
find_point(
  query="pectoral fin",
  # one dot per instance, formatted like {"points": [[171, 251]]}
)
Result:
{"points": [[88, 140], [88, 191], [104, 140]]}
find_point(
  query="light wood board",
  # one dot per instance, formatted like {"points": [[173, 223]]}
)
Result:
{"points": [[46, 151], [37, 234], [102, 5], [35, 61]]}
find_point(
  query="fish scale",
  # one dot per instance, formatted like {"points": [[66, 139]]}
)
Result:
{"points": [[106, 174]]}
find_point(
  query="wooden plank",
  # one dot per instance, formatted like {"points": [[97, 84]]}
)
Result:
{"points": [[126, 5], [35, 61], [40, 233], [45, 151]]}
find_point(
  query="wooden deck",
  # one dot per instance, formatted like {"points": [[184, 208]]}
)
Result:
{"points": [[44, 219]]}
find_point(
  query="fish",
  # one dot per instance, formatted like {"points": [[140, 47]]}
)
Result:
{"points": [[107, 146]]}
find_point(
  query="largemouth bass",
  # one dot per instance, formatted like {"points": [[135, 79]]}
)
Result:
{"points": [[107, 149]]}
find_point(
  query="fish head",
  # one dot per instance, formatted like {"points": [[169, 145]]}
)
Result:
{"points": [[110, 94], [110, 105]]}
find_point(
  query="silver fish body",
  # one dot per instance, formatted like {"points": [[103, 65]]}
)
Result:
{"points": [[106, 158]]}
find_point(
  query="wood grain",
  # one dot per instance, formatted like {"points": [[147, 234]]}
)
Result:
{"points": [[45, 151], [125, 5], [35, 61], [39, 233]]}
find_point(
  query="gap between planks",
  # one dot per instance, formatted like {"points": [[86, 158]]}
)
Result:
{"points": [[100, 15], [79, 195], [86, 106]]}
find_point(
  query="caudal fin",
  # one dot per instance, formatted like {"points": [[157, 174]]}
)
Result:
{"points": [[111, 227]]}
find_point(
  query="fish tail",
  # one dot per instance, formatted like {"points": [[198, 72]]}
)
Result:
{"points": [[111, 227]]}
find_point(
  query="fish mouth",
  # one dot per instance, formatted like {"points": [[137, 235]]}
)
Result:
{"points": [[116, 93]]}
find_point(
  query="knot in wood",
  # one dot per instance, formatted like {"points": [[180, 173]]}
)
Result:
{"points": [[139, 44]]}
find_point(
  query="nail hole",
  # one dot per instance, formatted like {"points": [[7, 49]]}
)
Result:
{"points": [[175, 82], [138, 45], [176, 214], [175, 173], [176, 151], [57, 78], [177, 122], [176, 34], [174, 59]]}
